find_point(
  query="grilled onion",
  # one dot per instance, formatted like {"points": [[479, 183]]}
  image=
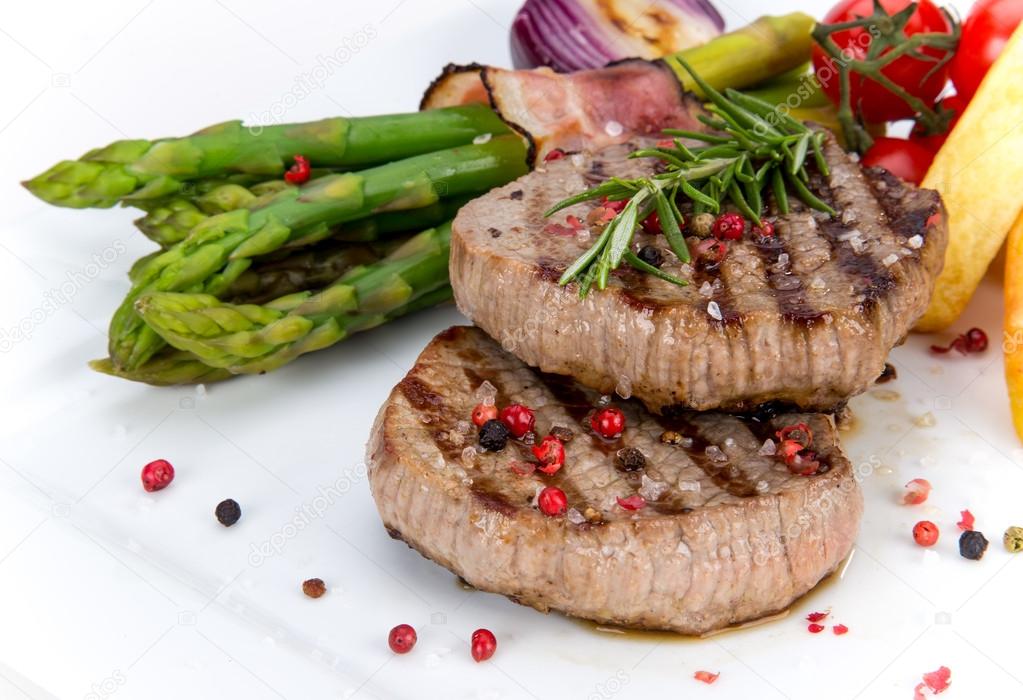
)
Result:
{"points": [[571, 35]]}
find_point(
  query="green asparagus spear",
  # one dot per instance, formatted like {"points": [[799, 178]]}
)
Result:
{"points": [[248, 338], [220, 248], [310, 268], [749, 55], [138, 170], [166, 368], [169, 219]]}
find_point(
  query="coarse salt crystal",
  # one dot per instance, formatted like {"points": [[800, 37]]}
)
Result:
{"points": [[624, 387], [613, 129], [482, 138], [762, 486], [713, 310], [916, 241], [890, 259], [578, 160], [574, 516], [706, 290], [768, 449], [817, 283], [693, 486], [651, 489], [715, 453], [469, 456], [486, 393], [785, 283]]}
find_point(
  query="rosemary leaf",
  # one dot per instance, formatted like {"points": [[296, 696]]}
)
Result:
{"points": [[740, 201], [697, 136], [807, 196], [609, 189], [669, 226], [781, 197], [818, 154], [799, 155], [625, 229], [586, 258], [646, 267]]}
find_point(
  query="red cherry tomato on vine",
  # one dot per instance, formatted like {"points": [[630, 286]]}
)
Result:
{"points": [[874, 102], [906, 159], [985, 32]]}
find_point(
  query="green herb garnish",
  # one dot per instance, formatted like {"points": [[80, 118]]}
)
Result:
{"points": [[756, 146]]}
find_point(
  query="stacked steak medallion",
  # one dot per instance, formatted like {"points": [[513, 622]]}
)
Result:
{"points": [[652, 455]]}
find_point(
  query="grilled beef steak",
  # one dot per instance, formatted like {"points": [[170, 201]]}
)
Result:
{"points": [[805, 317], [728, 534]]}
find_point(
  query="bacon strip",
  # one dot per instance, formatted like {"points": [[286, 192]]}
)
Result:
{"points": [[587, 109]]}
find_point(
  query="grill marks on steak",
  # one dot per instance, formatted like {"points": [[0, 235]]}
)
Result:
{"points": [[806, 318], [726, 542]]}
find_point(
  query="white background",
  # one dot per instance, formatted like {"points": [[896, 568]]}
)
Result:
{"points": [[108, 591]]}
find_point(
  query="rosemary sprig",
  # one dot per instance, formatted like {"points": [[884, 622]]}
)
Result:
{"points": [[756, 146], [888, 43]]}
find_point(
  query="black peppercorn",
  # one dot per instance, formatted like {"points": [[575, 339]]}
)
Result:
{"points": [[972, 544], [629, 459], [650, 255], [228, 511], [493, 435]]}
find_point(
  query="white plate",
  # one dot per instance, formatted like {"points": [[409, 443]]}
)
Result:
{"points": [[106, 590]]}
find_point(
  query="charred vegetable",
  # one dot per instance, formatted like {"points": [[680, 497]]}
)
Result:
{"points": [[571, 35]]}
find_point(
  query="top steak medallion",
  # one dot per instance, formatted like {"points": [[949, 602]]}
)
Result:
{"points": [[806, 317]]}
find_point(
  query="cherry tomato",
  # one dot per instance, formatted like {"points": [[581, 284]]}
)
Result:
{"points": [[906, 159], [985, 32], [874, 102], [935, 141]]}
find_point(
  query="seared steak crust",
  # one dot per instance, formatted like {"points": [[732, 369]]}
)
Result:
{"points": [[806, 318], [730, 536]]}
